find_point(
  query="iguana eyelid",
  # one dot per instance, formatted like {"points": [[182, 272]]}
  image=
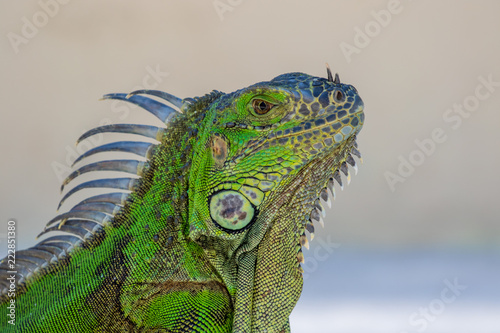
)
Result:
{"points": [[262, 109]]}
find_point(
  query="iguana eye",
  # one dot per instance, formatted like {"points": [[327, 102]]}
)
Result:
{"points": [[261, 106], [231, 210]]}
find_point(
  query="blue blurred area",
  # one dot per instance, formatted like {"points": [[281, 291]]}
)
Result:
{"points": [[402, 291]]}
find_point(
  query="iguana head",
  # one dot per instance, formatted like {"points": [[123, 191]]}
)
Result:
{"points": [[266, 155]]}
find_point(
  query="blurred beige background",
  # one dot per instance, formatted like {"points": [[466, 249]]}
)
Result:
{"points": [[415, 63], [427, 58]]}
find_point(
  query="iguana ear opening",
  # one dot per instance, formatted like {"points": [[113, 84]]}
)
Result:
{"points": [[220, 150]]}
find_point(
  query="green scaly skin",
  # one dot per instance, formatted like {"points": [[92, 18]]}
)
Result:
{"points": [[210, 238]]}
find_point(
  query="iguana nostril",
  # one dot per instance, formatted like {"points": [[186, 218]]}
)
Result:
{"points": [[338, 96]]}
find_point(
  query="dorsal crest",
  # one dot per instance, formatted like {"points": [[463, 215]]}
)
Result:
{"points": [[84, 220]]}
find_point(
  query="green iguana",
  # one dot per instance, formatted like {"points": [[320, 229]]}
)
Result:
{"points": [[207, 235]]}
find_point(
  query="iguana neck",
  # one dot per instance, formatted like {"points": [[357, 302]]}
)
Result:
{"points": [[162, 196]]}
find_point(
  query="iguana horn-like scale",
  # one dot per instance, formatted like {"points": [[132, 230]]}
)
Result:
{"points": [[33, 260], [352, 162], [158, 93], [144, 130], [331, 187], [130, 166], [104, 207], [99, 217], [53, 250], [336, 176], [329, 73], [159, 110], [117, 198], [64, 242], [75, 228], [330, 76], [143, 149], [356, 152], [118, 183], [337, 79]]}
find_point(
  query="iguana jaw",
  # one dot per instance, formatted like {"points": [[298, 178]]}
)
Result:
{"points": [[276, 275]]}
